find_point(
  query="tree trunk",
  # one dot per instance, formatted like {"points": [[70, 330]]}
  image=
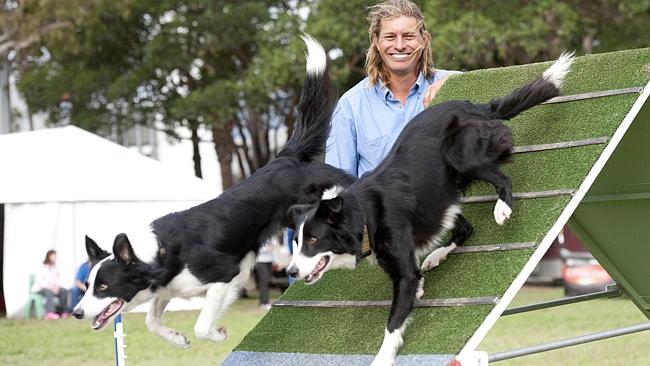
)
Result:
{"points": [[241, 156], [259, 132], [224, 147], [244, 151], [5, 106], [195, 148]]}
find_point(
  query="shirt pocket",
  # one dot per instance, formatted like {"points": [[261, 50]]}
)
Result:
{"points": [[372, 150]]}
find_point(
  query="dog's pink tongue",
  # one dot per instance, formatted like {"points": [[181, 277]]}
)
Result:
{"points": [[100, 320], [321, 264]]}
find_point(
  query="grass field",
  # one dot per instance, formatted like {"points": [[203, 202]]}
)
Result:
{"points": [[542, 326], [71, 342]]}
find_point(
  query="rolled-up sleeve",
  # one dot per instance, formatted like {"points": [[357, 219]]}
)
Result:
{"points": [[342, 142]]}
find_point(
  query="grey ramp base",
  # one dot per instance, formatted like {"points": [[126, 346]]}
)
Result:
{"points": [[248, 358]]}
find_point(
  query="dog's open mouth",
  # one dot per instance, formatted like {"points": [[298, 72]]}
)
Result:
{"points": [[315, 274], [105, 315]]}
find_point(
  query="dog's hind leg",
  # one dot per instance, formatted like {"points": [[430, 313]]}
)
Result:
{"points": [[218, 298], [204, 327], [459, 234], [245, 269], [155, 325]]}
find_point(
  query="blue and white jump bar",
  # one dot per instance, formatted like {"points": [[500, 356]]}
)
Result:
{"points": [[118, 334]]}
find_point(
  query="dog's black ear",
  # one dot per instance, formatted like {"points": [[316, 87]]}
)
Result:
{"points": [[332, 209], [95, 253], [123, 250], [296, 212], [334, 205]]}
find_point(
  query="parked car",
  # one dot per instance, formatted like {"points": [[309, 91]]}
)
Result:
{"points": [[568, 263], [582, 274]]}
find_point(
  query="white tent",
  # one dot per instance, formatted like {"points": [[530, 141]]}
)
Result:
{"points": [[57, 185]]}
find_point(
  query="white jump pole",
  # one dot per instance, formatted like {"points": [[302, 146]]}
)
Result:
{"points": [[118, 334]]}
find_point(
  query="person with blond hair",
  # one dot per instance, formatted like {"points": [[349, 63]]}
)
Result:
{"points": [[401, 81]]}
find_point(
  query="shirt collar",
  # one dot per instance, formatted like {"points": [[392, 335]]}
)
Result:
{"points": [[381, 89]]}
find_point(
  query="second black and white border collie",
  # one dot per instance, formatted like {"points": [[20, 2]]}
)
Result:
{"points": [[209, 250], [412, 198]]}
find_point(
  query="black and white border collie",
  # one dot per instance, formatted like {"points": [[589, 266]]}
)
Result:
{"points": [[412, 199], [210, 249]]}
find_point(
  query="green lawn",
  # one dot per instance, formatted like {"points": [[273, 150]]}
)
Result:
{"points": [[71, 342], [542, 326]]}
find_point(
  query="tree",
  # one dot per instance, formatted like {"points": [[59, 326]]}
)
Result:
{"points": [[221, 41], [23, 24], [73, 73], [477, 34], [182, 64], [342, 28], [235, 68]]}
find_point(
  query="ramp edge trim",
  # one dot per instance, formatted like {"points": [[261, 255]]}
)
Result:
{"points": [[422, 303]]}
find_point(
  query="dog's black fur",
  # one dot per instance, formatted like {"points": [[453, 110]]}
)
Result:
{"points": [[413, 196], [211, 240]]}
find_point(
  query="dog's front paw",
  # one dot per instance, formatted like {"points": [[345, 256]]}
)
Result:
{"points": [[502, 212], [419, 292], [177, 339]]}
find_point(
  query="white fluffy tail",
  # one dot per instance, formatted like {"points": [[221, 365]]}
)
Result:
{"points": [[558, 71], [316, 57]]}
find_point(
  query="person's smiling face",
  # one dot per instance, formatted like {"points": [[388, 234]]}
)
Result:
{"points": [[400, 45]]}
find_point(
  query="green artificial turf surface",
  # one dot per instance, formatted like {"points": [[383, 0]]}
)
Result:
{"points": [[549, 169], [530, 220], [462, 275], [445, 330]]}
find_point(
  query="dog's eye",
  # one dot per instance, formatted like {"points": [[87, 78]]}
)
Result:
{"points": [[312, 240], [102, 287]]}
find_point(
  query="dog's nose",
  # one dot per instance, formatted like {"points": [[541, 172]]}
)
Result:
{"points": [[78, 313], [292, 271]]}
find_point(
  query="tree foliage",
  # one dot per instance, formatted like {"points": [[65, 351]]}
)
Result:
{"points": [[235, 68], [478, 34]]}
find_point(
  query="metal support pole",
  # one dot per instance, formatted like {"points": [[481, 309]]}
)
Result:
{"points": [[500, 356], [610, 292], [118, 334]]}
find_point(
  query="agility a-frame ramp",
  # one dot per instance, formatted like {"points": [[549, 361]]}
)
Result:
{"points": [[582, 157]]}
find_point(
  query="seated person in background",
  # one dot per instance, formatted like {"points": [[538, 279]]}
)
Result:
{"points": [[79, 288], [47, 282]]}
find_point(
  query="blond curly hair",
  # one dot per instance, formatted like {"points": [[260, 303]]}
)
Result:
{"points": [[375, 68]]}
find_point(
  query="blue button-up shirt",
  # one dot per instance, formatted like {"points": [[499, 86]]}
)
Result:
{"points": [[367, 121]]}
